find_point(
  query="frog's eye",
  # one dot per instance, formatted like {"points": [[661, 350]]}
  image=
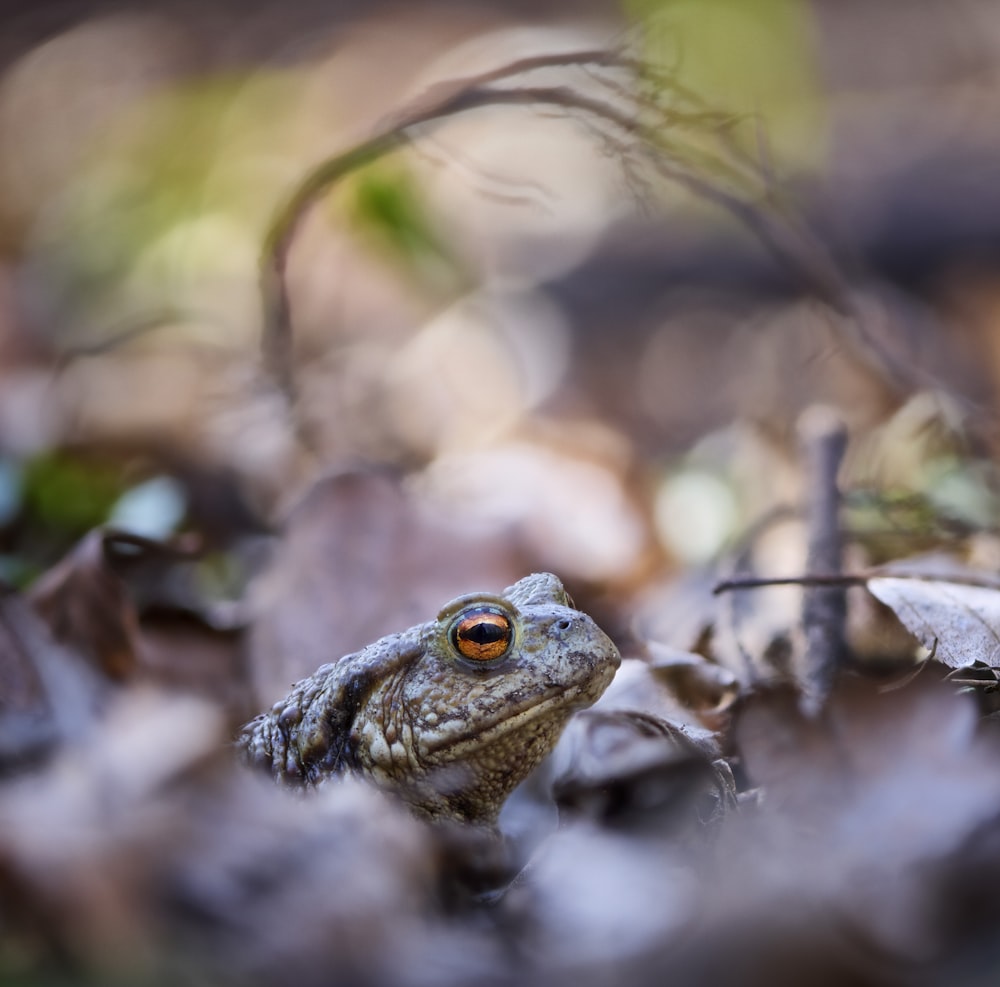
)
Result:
{"points": [[482, 634]]}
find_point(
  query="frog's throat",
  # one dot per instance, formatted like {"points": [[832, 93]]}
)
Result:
{"points": [[557, 701]]}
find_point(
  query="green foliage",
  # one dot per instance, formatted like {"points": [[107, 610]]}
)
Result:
{"points": [[753, 58], [385, 207], [173, 195], [954, 499], [387, 204], [67, 495]]}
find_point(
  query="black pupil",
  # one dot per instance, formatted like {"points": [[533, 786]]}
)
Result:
{"points": [[484, 632]]}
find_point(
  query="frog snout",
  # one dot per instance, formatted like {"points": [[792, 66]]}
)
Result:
{"points": [[577, 632], [568, 627]]}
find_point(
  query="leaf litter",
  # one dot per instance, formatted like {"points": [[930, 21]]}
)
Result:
{"points": [[755, 800], [958, 624]]}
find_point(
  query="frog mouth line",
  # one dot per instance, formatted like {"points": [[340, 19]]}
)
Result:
{"points": [[513, 719]]}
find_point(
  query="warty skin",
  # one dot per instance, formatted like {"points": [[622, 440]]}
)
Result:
{"points": [[451, 715]]}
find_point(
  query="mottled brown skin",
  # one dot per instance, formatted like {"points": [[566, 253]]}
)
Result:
{"points": [[451, 735]]}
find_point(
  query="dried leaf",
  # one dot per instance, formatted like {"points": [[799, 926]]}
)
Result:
{"points": [[361, 558], [706, 689], [633, 770], [144, 848], [48, 695], [885, 784], [84, 602], [959, 624], [182, 652], [638, 760]]}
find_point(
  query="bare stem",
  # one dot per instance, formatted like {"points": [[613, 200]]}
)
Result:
{"points": [[643, 121], [441, 100], [824, 608], [807, 579]]}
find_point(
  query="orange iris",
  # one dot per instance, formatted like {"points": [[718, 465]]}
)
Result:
{"points": [[482, 634]]}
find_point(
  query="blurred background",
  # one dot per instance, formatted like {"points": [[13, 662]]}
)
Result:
{"points": [[558, 348], [581, 326]]}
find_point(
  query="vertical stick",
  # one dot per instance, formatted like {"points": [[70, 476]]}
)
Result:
{"points": [[824, 608]]}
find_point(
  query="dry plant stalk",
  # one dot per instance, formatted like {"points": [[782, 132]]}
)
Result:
{"points": [[639, 114]]}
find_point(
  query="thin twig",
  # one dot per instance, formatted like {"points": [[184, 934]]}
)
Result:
{"points": [[807, 579], [982, 581], [442, 99], [646, 120], [824, 608], [446, 99]]}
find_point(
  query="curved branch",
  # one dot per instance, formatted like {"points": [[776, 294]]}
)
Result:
{"points": [[441, 100], [632, 116]]}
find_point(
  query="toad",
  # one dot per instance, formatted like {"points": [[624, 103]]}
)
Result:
{"points": [[451, 715]]}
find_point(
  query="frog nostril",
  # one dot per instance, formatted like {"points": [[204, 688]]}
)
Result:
{"points": [[564, 625]]}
